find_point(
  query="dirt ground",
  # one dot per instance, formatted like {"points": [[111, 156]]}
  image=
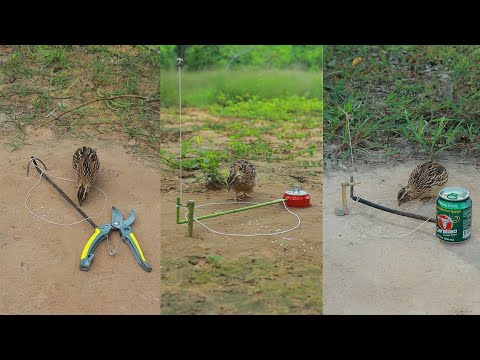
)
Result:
{"points": [[414, 274], [299, 248], [218, 274], [40, 261]]}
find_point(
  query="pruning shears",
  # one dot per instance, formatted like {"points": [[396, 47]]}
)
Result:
{"points": [[101, 233]]}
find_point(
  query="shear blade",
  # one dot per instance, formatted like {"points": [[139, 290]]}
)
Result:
{"points": [[117, 217], [130, 219]]}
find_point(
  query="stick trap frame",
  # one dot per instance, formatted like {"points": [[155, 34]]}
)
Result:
{"points": [[191, 209], [343, 210]]}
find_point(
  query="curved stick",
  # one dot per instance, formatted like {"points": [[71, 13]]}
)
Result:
{"points": [[393, 211], [65, 196]]}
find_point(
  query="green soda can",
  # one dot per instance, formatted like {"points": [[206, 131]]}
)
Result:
{"points": [[454, 215]]}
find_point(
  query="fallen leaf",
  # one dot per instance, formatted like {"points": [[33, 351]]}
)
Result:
{"points": [[356, 61]]}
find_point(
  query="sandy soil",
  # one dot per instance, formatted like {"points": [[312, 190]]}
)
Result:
{"points": [[40, 261], [414, 274]]}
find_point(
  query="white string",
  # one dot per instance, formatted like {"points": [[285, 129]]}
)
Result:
{"points": [[347, 118], [351, 147], [180, 120], [245, 235], [181, 185], [59, 178], [383, 236], [110, 251]]}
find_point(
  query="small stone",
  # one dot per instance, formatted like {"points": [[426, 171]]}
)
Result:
{"points": [[193, 261]]}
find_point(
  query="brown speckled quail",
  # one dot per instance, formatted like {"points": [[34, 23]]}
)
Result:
{"points": [[425, 181], [85, 165], [242, 178]]}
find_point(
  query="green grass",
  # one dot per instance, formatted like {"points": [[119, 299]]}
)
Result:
{"points": [[291, 108], [42, 78], [394, 97], [234, 57], [246, 285], [256, 107], [47, 56], [16, 67], [205, 88], [101, 73], [195, 157]]}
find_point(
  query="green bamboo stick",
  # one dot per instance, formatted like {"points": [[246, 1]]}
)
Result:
{"points": [[191, 207], [178, 210], [220, 213]]}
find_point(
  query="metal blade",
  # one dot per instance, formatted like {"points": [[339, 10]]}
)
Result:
{"points": [[130, 219], [117, 217]]}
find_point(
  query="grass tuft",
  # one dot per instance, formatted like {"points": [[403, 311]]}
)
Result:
{"points": [[425, 97]]}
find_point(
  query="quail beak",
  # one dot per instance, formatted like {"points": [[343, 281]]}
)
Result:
{"points": [[402, 195]]}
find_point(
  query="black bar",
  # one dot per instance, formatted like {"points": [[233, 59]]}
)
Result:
{"points": [[85, 216], [396, 212]]}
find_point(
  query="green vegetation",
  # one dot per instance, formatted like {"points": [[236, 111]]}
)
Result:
{"points": [[196, 158], [268, 100], [43, 80], [291, 109], [51, 55], [422, 96], [245, 285], [204, 88], [203, 57]]}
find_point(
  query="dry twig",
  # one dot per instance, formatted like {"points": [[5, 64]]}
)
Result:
{"points": [[87, 103]]}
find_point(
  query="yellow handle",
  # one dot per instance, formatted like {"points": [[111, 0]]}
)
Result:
{"points": [[89, 243], [137, 246]]}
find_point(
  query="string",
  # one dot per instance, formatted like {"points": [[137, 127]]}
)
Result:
{"points": [[347, 118], [59, 178], [383, 236], [180, 121], [244, 235]]}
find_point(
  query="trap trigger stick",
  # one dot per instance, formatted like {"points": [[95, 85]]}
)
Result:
{"points": [[343, 210]]}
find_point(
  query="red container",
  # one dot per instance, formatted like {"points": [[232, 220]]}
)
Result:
{"points": [[297, 198]]}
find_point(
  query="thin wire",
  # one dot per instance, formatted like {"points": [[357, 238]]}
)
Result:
{"points": [[180, 112], [347, 118], [351, 147], [110, 251], [59, 178], [181, 185], [244, 235], [383, 236]]}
